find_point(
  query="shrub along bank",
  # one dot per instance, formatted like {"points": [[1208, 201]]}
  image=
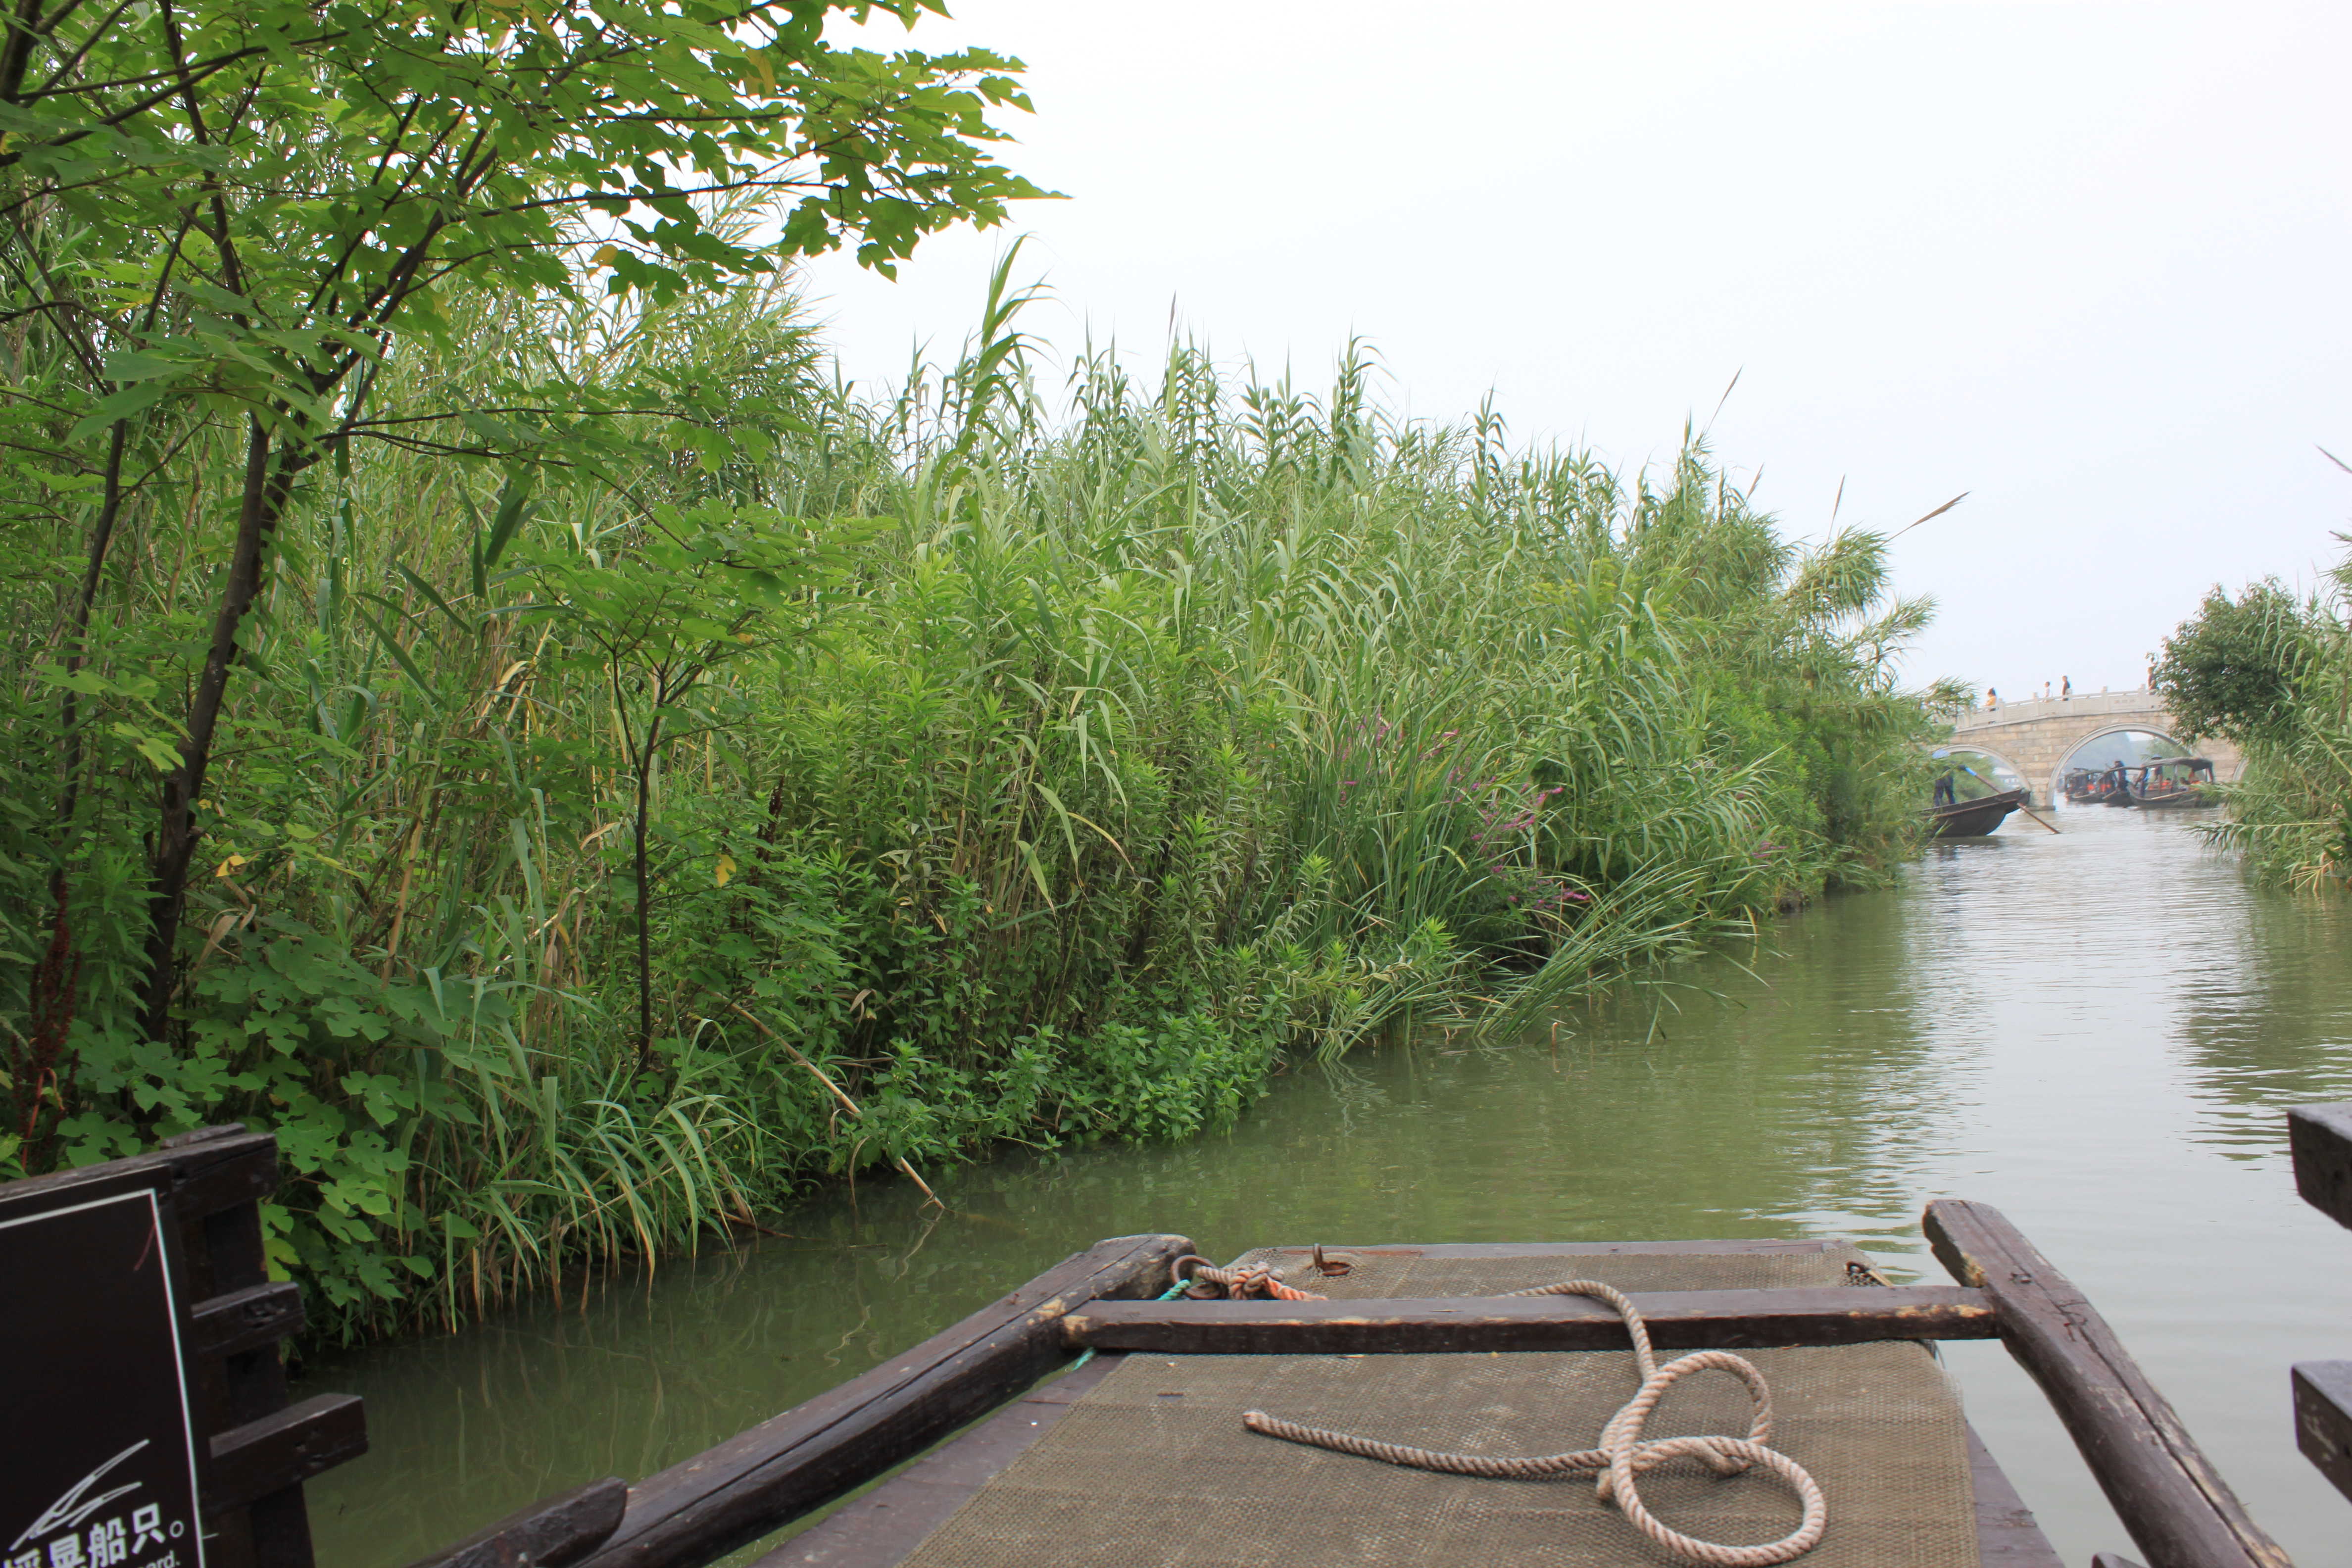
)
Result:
{"points": [[2271, 672], [597, 851]]}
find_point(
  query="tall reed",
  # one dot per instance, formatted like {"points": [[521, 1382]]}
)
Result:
{"points": [[1055, 760]]}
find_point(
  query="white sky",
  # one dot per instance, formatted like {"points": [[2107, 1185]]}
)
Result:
{"points": [[2086, 262]]}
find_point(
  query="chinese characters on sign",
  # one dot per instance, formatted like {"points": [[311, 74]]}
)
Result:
{"points": [[98, 1462]]}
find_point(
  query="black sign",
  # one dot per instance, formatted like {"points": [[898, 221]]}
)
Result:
{"points": [[97, 1450]]}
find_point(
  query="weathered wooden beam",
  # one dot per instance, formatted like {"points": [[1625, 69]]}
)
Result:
{"points": [[737, 1493], [2174, 1504], [197, 1173], [550, 1533], [2323, 1419], [1679, 1320], [284, 1448], [2320, 1138], [245, 1319], [881, 1528]]}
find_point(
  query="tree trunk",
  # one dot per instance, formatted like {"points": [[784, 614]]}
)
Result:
{"points": [[57, 979], [266, 488], [645, 894], [101, 539]]}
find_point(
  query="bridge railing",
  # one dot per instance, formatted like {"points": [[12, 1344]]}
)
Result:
{"points": [[2082, 705]]}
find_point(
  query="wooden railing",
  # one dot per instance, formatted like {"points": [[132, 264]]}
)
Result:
{"points": [[254, 1449], [2320, 1138], [2176, 1507]]}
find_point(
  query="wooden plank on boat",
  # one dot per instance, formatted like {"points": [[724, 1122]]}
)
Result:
{"points": [[885, 1525], [1679, 1320], [2008, 1535], [1757, 1248], [550, 1533], [2179, 1510], [881, 1528], [2323, 1419], [2320, 1138], [735, 1493]]}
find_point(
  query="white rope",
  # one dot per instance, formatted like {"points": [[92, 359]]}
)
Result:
{"points": [[1623, 1453]]}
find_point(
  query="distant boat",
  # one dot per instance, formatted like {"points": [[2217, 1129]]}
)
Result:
{"points": [[2175, 782], [2094, 786], [2114, 785], [1974, 818]]}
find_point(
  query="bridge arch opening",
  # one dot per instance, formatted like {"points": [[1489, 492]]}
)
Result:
{"points": [[2130, 744]]}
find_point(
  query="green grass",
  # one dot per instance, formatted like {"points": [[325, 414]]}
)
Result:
{"points": [[1105, 745]]}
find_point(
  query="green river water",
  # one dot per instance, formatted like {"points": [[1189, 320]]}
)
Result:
{"points": [[2096, 1032]]}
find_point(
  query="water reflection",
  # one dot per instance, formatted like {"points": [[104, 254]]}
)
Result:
{"points": [[2093, 1030], [2241, 1064]]}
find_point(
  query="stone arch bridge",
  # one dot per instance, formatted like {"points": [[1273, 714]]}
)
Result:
{"points": [[2036, 737]]}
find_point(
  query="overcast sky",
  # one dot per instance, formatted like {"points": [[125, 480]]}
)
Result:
{"points": [[2086, 262]]}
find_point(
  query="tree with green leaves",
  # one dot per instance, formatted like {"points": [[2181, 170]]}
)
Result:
{"points": [[698, 591], [2233, 669], [219, 222], [2271, 672]]}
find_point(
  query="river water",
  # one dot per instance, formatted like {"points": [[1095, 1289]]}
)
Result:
{"points": [[2096, 1032]]}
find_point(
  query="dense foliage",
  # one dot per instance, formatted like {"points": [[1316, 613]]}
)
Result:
{"points": [[498, 715], [2233, 669], [234, 214], [2273, 674], [1001, 779]]}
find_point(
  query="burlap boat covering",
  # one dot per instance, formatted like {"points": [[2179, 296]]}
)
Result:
{"points": [[1153, 1467]]}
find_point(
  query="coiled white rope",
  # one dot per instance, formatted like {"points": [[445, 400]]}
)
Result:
{"points": [[1623, 1453]]}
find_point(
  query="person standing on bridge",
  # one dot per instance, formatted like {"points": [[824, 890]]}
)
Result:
{"points": [[1992, 698], [2065, 688]]}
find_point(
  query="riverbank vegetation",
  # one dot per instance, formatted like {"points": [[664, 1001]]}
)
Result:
{"points": [[525, 732], [2270, 671]]}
